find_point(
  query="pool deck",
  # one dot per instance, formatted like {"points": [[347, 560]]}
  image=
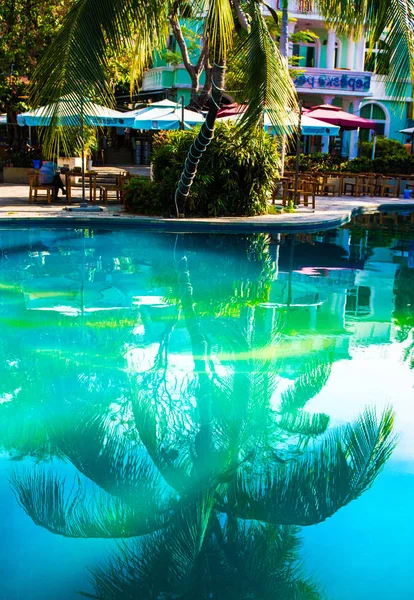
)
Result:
{"points": [[330, 212]]}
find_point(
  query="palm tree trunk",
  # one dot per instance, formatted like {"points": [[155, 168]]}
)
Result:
{"points": [[284, 29], [200, 351], [283, 46], [200, 144]]}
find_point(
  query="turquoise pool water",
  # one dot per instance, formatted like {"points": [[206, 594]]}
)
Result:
{"points": [[207, 416]]}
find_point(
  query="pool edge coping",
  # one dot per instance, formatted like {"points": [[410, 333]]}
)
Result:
{"points": [[224, 225]]}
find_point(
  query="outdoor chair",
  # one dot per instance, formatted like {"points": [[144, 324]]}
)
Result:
{"points": [[368, 184], [387, 188], [117, 188], [351, 187], [324, 186], [36, 187], [306, 188]]}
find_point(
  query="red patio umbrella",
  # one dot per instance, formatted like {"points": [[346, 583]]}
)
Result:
{"points": [[336, 116]]}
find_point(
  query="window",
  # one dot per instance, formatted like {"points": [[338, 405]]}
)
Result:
{"points": [[337, 59], [376, 113], [358, 300], [307, 54], [375, 60]]}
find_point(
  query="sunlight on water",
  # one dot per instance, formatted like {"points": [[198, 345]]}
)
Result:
{"points": [[207, 416]]}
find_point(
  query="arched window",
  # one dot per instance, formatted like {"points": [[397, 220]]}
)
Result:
{"points": [[374, 112]]}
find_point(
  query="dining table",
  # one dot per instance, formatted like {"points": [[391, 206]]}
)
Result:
{"points": [[90, 183]]}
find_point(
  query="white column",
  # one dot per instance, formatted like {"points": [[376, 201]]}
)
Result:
{"points": [[360, 54], [291, 30], [327, 99], [330, 50], [350, 55], [353, 143]]}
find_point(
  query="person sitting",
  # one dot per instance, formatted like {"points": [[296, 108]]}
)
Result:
{"points": [[49, 176]]}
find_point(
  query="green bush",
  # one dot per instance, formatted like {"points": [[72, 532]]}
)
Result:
{"points": [[358, 165], [393, 164], [314, 162], [388, 163], [145, 197], [383, 147], [236, 175]]}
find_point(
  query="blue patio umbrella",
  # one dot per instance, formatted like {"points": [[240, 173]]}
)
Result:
{"points": [[73, 110], [164, 115]]}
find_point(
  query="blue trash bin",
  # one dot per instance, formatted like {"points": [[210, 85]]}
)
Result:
{"points": [[36, 164], [407, 194]]}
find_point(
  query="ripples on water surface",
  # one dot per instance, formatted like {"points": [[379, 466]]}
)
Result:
{"points": [[193, 417]]}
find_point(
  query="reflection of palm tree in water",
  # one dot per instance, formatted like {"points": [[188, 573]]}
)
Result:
{"points": [[217, 478]]}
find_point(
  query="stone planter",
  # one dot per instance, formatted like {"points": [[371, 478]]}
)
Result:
{"points": [[16, 175]]}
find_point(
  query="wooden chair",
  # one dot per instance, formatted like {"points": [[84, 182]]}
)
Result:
{"points": [[326, 187], [36, 186], [387, 188], [367, 184], [306, 187], [117, 188], [351, 186]]}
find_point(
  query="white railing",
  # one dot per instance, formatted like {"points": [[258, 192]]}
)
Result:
{"points": [[153, 79]]}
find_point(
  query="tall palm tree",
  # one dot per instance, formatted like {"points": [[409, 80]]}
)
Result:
{"points": [[391, 21], [75, 64]]}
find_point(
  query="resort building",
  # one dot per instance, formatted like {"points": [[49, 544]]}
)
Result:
{"points": [[333, 70]]}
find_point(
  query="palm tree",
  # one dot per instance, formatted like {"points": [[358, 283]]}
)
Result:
{"points": [[388, 20], [75, 64], [205, 479]]}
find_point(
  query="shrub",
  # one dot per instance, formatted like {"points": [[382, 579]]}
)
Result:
{"points": [[145, 197], [236, 175], [314, 162], [358, 165], [383, 147], [388, 165]]}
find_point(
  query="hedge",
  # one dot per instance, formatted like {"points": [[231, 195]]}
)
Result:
{"points": [[236, 176]]}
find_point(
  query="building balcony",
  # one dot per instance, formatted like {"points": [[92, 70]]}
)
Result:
{"points": [[334, 82], [157, 78], [297, 7]]}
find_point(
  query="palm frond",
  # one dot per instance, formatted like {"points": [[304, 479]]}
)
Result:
{"points": [[74, 66], [390, 21], [315, 374], [165, 564], [99, 450], [219, 27], [264, 78], [79, 511], [304, 423], [312, 488], [397, 56]]}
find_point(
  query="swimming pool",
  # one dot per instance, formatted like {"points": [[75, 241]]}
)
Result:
{"points": [[207, 416]]}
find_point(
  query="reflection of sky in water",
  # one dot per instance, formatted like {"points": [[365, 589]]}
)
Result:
{"points": [[103, 301]]}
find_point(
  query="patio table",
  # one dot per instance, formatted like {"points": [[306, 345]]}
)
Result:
{"points": [[90, 181]]}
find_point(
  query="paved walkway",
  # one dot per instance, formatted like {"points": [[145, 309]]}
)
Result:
{"points": [[330, 212]]}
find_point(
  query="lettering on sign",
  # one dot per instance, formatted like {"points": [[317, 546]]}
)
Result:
{"points": [[344, 82]]}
